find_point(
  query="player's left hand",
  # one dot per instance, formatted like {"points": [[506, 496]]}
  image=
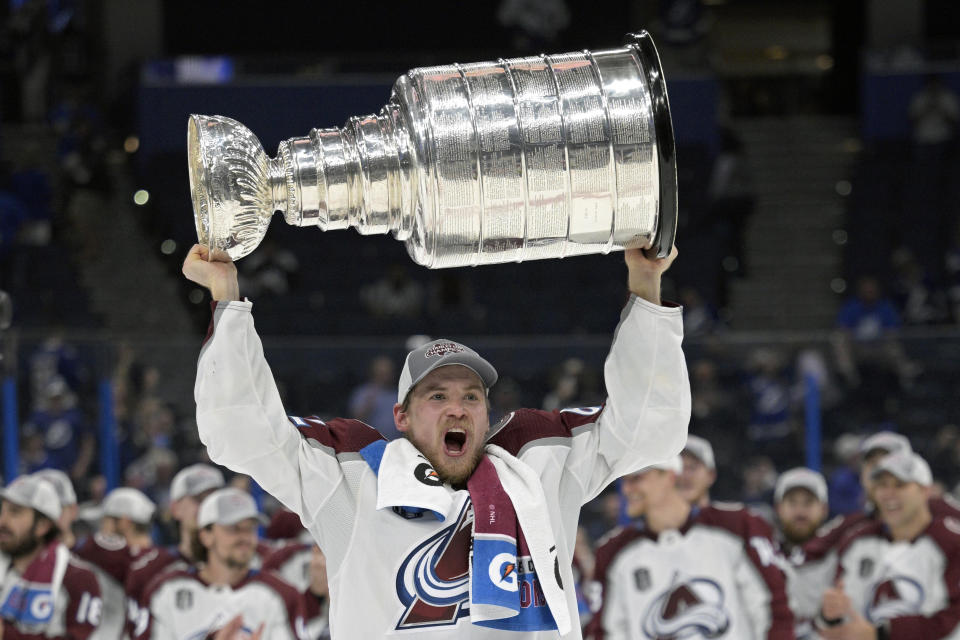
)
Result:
{"points": [[645, 273]]}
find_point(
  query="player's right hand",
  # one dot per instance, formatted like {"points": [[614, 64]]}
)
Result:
{"points": [[217, 272]]}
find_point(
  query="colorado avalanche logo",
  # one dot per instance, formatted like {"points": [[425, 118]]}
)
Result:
{"points": [[443, 348], [689, 607], [895, 597], [433, 583]]}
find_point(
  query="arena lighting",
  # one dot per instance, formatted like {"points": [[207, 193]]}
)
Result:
{"points": [[131, 144], [168, 246], [839, 236], [838, 285], [776, 52], [141, 197], [824, 62], [844, 187]]}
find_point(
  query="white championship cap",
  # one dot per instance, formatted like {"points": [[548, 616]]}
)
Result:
{"points": [[61, 482], [35, 493], [885, 441], [194, 480], [226, 507], [702, 450], [441, 353], [127, 502], [907, 466], [801, 478]]}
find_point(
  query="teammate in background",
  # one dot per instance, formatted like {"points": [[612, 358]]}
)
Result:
{"points": [[187, 490], [898, 577], [123, 536], [68, 503], [872, 450], [800, 502], [699, 471], [198, 601], [396, 520], [686, 571], [44, 591]]}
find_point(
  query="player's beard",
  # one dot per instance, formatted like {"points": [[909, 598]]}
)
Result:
{"points": [[463, 470], [798, 533], [19, 547]]}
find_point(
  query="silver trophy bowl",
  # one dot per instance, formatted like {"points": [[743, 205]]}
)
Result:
{"points": [[519, 159]]}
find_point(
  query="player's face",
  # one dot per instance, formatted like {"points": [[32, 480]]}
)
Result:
{"points": [[18, 534], [185, 509], [447, 421], [234, 545], [900, 503], [109, 526], [642, 489], [318, 572], [867, 466], [696, 479], [800, 513]]}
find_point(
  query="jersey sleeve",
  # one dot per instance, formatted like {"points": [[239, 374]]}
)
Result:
{"points": [[244, 426], [644, 419]]}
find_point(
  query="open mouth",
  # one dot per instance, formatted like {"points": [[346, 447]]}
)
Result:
{"points": [[455, 442]]}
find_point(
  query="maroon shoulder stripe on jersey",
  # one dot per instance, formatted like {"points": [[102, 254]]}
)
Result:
{"points": [[524, 426], [340, 434], [610, 546]]}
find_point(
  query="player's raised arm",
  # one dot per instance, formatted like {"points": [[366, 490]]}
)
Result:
{"points": [[240, 416]]}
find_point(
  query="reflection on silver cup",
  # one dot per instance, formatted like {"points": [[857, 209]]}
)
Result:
{"points": [[519, 159]]}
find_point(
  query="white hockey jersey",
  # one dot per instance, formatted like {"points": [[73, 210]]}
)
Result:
{"points": [[915, 585], [184, 607], [389, 573], [718, 576]]}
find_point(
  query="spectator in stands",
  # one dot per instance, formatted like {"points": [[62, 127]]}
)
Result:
{"points": [[945, 455], [732, 200], [396, 295], [67, 439], [867, 334], [770, 430], [912, 290], [699, 317], [935, 113], [952, 273], [54, 359], [573, 386], [372, 402], [846, 491], [759, 480], [899, 574]]}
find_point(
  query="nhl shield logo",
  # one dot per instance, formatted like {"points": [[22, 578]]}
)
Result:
{"points": [[641, 578], [183, 599], [866, 567]]}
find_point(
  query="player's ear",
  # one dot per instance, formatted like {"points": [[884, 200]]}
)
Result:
{"points": [[401, 418]]}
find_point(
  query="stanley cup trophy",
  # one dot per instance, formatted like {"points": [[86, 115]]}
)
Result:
{"points": [[519, 159]]}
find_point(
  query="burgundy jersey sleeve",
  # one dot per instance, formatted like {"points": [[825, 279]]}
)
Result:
{"points": [[110, 553], [275, 560], [941, 623], [526, 426], [762, 553], [607, 550]]}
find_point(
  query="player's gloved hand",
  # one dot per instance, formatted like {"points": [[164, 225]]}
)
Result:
{"points": [[217, 272]]}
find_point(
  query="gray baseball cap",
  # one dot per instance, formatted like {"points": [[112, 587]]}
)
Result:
{"points": [[194, 480], [228, 506], [801, 478], [441, 353], [34, 492], [701, 449], [127, 502], [885, 441], [907, 466], [61, 482]]}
